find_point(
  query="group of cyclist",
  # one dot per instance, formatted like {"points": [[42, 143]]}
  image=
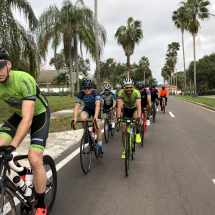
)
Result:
{"points": [[31, 112]]}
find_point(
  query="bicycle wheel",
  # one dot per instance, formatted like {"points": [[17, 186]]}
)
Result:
{"points": [[142, 134], [95, 147], [51, 182], [85, 153], [132, 147], [111, 130], [9, 206], [106, 130], [127, 154]]}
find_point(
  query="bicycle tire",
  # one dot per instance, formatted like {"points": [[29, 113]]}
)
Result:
{"points": [[154, 112], [112, 131], [106, 130], [51, 178], [9, 207], [85, 154], [132, 146], [95, 147], [164, 110], [127, 154], [142, 135]]}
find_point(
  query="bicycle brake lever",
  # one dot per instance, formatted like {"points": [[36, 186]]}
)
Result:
{"points": [[8, 168], [73, 125], [95, 123]]}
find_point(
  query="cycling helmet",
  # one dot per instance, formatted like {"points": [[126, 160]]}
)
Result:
{"points": [[140, 85], [128, 81], [4, 54], [118, 86], [153, 86], [107, 87], [86, 83], [163, 87]]}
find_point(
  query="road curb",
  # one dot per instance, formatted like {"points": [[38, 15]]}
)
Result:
{"points": [[197, 103]]}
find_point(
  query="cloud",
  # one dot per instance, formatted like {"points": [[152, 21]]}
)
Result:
{"points": [[158, 30]]}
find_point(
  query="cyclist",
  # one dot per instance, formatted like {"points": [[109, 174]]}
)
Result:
{"points": [[164, 93], [91, 99], [145, 100], [132, 108], [20, 91], [109, 101], [154, 96]]}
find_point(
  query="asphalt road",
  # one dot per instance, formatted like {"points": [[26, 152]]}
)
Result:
{"points": [[171, 175]]}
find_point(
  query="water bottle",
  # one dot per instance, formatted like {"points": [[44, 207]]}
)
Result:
{"points": [[131, 132], [92, 134], [20, 183], [29, 183]]}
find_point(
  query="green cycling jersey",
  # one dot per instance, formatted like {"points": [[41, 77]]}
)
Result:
{"points": [[129, 103], [22, 86]]}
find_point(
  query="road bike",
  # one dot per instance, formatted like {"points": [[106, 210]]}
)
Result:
{"points": [[163, 103], [89, 145], [8, 189], [130, 142], [143, 127], [153, 111], [107, 125]]}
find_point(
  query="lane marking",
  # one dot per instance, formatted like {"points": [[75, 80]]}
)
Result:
{"points": [[49, 173], [171, 114], [197, 105], [213, 181]]}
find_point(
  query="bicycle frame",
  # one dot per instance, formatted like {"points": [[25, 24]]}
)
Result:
{"points": [[6, 183]]}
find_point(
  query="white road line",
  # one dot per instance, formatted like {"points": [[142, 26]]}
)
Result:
{"points": [[171, 114], [49, 173], [213, 181]]}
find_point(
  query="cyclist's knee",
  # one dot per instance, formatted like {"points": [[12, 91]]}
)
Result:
{"points": [[35, 159]]}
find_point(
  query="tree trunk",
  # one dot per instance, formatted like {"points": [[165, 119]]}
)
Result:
{"points": [[190, 88], [185, 80], [169, 85], [97, 49], [164, 81], [194, 52], [171, 80], [70, 71], [128, 65], [55, 58], [76, 61], [145, 77], [176, 83]]}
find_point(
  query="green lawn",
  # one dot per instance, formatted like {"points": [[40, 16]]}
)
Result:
{"points": [[56, 103], [203, 100]]}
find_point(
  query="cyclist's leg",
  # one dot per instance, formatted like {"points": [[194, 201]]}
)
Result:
{"points": [[161, 100], [166, 101], [148, 111], [39, 135], [85, 114]]}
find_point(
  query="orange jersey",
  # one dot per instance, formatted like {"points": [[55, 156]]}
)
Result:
{"points": [[163, 92]]}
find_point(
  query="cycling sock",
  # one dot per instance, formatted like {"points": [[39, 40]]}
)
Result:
{"points": [[147, 118], [100, 146], [24, 171], [138, 131], [41, 201]]}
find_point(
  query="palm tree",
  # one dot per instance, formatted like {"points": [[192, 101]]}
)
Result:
{"points": [[171, 58], [128, 37], [144, 64], [194, 9], [164, 74], [179, 18], [15, 38]]}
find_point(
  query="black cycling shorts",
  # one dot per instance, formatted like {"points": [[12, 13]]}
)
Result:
{"points": [[143, 104], [39, 129], [91, 112], [128, 113], [107, 107]]}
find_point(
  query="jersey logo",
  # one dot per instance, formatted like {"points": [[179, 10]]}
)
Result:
{"points": [[26, 84]]}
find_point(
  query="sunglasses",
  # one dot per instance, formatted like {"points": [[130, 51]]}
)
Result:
{"points": [[129, 88], [107, 90], [3, 64], [86, 88]]}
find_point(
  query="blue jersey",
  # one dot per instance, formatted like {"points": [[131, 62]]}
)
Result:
{"points": [[108, 99], [89, 102]]}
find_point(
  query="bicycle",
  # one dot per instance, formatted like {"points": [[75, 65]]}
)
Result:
{"points": [[108, 126], [130, 142], [8, 189], [88, 145], [163, 103], [153, 111]]}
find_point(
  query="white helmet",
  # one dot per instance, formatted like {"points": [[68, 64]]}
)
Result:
{"points": [[128, 81], [107, 87], [118, 86]]}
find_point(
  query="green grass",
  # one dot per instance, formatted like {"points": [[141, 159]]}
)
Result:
{"points": [[63, 123], [56, 103], [203, 100]]}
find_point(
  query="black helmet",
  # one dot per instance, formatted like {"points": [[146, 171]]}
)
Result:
{"points": [[163, 87], [4, 54], [153, 86], [86, 83], [140, 85]]}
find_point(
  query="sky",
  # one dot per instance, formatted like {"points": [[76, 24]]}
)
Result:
{"points": [[158, 30]]}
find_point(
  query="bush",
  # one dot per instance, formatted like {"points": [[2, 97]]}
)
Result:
{"points": [[61, 93], [209, 92]]}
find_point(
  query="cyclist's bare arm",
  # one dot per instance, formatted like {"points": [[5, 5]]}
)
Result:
{"points": [[97, 108], [25, 124], [149, 102], [76, 109], [114, 103], [119, 104], [138, 104]]}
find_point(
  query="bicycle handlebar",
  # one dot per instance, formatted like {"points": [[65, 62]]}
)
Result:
{"points": [[85, 121]]}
